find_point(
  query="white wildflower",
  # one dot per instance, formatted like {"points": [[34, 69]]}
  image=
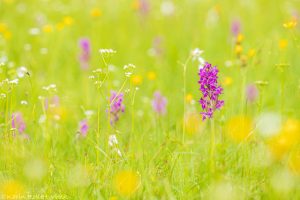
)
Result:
{"points": [[128, 74], [21, 71], [228, 63], [107, 51], [50, 87], [98, 71], [112, 140], [14, 81], [129, 66], [34, 31], [196, 55], [42, 119], [167, 8], [23, 102], [89, 113], [3, 60]]}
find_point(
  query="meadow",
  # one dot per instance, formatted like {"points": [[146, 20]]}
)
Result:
{"points": [[150, 99]]}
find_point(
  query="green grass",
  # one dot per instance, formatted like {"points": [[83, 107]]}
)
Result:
{"points": [[171, 164]]}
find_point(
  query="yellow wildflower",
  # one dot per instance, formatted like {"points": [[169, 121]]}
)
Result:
{"points": [[251, 53], [217, 8], [68, 20], [239, 38], [48, 28], [95, 12], [189, 98], [136, 80], [227, 81], [239, 128], [127, 182], [290, 24], [282, 44], [7, 35], [11, 188], [288, 137], [238, 49], [136, 4], [3, 27], [60, 26], [151, 75], [294, 161]]}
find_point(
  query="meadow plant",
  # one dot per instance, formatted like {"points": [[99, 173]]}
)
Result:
{"points": [[116, 106], [83, 127], [159, 103], [85, 54], [210, 90]]}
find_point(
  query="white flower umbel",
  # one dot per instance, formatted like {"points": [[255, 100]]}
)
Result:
{"points": [[14, 81], [107, 51], [50, 87]]}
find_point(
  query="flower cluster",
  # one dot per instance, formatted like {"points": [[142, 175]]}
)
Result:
{"points": [[210, 90], [116, 106], [85, 55]]}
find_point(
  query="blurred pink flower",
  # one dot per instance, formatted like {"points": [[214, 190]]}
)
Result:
{"points": [[85, 54], [17, 122], [251, 93], [159, 103], [235, 27], [117, 106], [83, 127]]}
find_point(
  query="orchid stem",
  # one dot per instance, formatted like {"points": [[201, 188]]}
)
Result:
{"points": [[212, 145]]}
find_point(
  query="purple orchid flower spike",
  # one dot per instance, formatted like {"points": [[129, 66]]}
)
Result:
{"points": [[210, 90], [251, 93], [235, 27], [116, 106], [159, 103], [83, 127], [85, 55], [17, 122]]}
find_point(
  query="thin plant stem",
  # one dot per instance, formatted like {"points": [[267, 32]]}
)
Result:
{"points": [[184, 95], [132, 113], [244, 75], [212, 145]]}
